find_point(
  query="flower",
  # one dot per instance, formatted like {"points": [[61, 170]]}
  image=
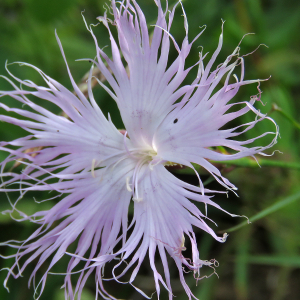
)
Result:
{"points": [[98, 169]]}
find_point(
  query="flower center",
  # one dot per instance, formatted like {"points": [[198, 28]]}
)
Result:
{"points": [[145, 158], [146, 155]]}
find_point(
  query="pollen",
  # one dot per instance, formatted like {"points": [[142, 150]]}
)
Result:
{"points": [[172, 164]]}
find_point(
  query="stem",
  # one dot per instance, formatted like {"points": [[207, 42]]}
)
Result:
{"points": [[251, 163], [274, 207], [275, 107]]}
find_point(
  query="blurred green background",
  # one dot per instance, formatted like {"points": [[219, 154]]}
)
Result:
{"points": [[258, 261]]}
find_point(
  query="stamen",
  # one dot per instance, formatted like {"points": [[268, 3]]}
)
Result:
{"points": [[143, 157], [125, 145], [137, 199], [93, 168], [154, 162], [135, 179], [182, 247], [129, 189]]}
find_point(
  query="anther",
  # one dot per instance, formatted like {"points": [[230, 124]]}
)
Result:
{"points": [[129, 189], [93, 168], [137, 199]]}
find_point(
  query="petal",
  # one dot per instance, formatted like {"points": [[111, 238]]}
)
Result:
{"points": [[145, 96], [164, 198], [96, 212], [195, 124]]}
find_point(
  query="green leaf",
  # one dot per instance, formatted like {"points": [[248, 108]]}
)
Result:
{"points": [[275, 207], [286, 115]]}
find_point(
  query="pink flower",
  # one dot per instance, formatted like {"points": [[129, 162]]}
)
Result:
{"points": [[99, 171]]}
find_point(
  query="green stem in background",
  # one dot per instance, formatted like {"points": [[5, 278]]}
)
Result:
{"points": [[275, 107], [274, 207], [277, 260], [251, 163]]}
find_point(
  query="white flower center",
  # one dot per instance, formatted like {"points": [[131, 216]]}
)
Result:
{"points": [[144, 157]]}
